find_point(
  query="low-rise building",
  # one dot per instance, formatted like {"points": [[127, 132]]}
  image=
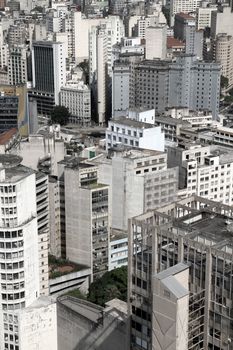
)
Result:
{"points": [[130, 132]]}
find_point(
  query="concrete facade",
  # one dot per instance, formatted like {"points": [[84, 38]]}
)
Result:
{"points": [[83, 325]]}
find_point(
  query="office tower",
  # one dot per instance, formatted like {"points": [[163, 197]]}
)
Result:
{"points": [[221, 21], [54, 217], [20, 262], [13, 111], [49, 74], [185, 30], [185, 6], [86, 217], [222, 48], [156, 42], [76, 96], [98, 70], [8, 112], [17, 65], [203, 16], [194, 234]]}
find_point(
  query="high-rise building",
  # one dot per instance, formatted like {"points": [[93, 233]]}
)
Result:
{"points": [[221, 21], [98, 41], [178, 252], [203, 16], [76, 96], [185, 30], [185, 6], [86, 217], [160, 84], [8, 112], [21, 260], [49, 74], [222, 48], [156, 42], [17, 65]]}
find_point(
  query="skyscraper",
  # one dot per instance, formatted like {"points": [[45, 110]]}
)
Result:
{"points": [[48, 72], [19, 254]]}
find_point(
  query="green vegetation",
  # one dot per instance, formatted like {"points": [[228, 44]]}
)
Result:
{"points": [[77, 294], [60, 115], [113, 284], [224, 82], [60, 267]]}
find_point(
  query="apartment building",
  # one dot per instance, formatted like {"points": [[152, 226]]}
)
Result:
{"points": [[159, 84], [221, 20], [204, 171], [181, 251], [203, 16], [76, 96], [22, 256], [185, 6], [86, 217], [134, 133], [138, 180], [222, 48], [118, 249], [17, 65]]}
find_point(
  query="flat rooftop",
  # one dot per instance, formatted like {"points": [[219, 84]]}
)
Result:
{"points": [[131, 123], [84, 308], [75, 163], [209, 228]]}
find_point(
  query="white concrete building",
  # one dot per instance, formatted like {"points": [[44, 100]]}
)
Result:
{"points": [[156, 42], [204, 171], [76, 96], [142, 115], [118, 249], [221, 21], [82, 27], [222, 48], [138, 179], [203, 16], [132, 133], [20, 258], [170, 307], [98, 41], [185, 6]]}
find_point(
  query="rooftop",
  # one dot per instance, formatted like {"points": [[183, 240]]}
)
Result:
{"points": [[185, 16], [173, 42], [7, 136], [209, 228], [131, 123]]}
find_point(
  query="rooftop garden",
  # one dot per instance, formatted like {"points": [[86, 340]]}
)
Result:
{"points": [[59, 267]]}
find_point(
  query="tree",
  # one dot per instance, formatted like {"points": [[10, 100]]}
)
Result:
{"points": [[224, 82], [113, 284], [60, 115]]}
